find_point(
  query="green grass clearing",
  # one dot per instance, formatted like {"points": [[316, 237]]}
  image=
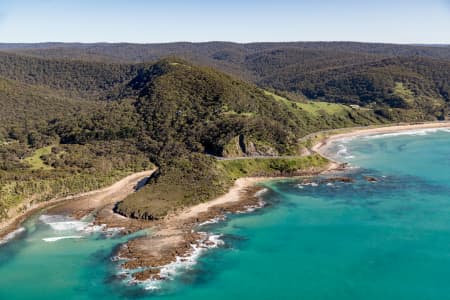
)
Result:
{"points": [[35, 160], [312, 107], [238, 168], [403, 92]]}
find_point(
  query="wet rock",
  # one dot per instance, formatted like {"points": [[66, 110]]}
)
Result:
{"points": [[153, 274], [370, 179], [337, 179], [172, 240]]}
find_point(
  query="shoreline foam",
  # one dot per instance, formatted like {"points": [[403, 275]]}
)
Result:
{"points": [[234, 194], [184, 261], [178, 236], [84, 201], [174, 236], [323, 144], [12, 235]]}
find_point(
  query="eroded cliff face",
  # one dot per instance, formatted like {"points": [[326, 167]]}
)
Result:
{"points": [[242, 145]]}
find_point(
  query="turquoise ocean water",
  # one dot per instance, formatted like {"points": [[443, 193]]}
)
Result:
{"points": [[388, 239]]}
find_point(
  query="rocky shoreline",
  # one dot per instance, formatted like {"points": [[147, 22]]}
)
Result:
{"points": [[78, 205], [176, 238]]}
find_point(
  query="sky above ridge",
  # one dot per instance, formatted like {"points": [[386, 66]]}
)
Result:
{"points": [[152, 21]]}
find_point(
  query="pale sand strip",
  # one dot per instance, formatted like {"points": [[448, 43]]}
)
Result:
{"points": [[174, 235], [88, 200], [321, 145], [234, 194], [173, 227], [171, 235]]}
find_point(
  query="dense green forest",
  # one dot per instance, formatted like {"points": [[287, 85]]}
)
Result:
{"points": [[77, 117], [136, 53], [372, 75]]}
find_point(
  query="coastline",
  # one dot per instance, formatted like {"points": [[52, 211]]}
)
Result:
{"points": [[176, 238], [87, 201], [321, 145]]}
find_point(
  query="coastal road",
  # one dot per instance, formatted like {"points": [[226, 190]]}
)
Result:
{"points": [[259, 156]]}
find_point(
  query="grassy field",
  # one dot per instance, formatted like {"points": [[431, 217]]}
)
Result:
{"points": [[35, 160], [403, 92], [239, 168], [312, 107], [244, 114]]}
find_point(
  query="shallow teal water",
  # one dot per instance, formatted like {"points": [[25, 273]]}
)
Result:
{"points": [[384, 240]]}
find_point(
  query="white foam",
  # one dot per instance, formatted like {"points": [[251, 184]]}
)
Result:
{"points": [[90, 228], [213, 221], [416, 132], [302, 185], [185, 262], [261, 203], [252, 208], [12, 235], [57, 238], [62, 223], [261, 192], [343, 152], [181, 263]]}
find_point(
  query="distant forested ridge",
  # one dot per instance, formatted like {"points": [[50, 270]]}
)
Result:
{"points": [[374, 75], [93, 112]]}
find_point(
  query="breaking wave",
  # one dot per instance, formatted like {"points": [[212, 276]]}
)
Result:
{"points": [[417, 132], [186, 262], [12, 235], [343, 152], [57, 238], [61, 223]]}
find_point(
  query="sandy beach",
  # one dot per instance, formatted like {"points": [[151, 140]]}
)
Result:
{"points": [[174, 237], [322, 144], [79, 204]]}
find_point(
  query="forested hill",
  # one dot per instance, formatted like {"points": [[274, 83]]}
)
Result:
{"points": [[71, 125], [126, 52], [376, 76], [170, 113], [85, 79], [175, 108]]}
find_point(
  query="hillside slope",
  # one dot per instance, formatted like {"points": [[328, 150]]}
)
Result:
{"points": [[90, 129], [378, 76], [177, 106], [179, 114], [26, 109], [76, 78]]}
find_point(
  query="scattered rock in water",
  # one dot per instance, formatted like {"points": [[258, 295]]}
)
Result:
{"points": [[174, 241], [370, 179], [152, 274], [337, 179]]}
